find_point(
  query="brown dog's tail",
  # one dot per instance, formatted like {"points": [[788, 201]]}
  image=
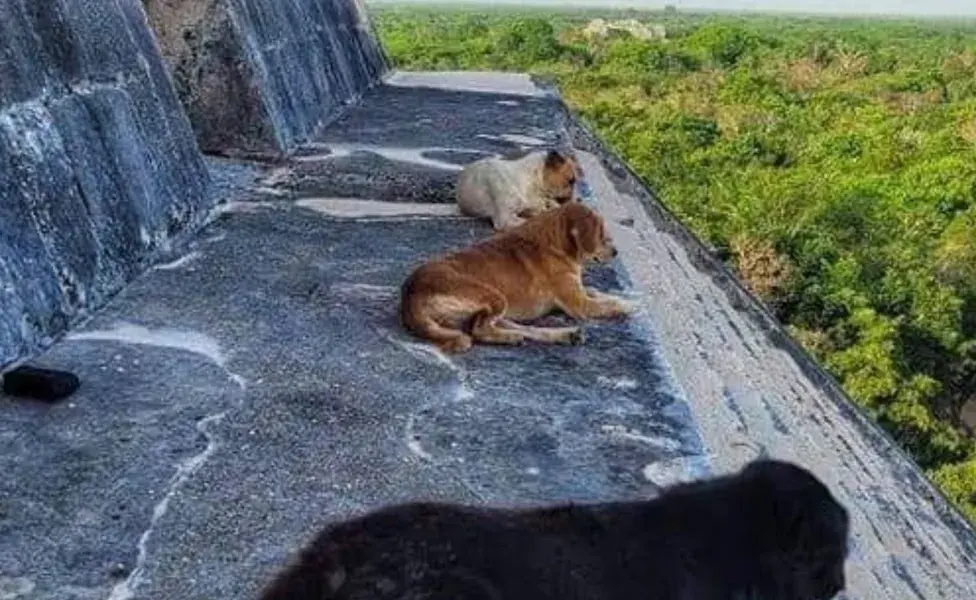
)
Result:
{"points": [[416, 318]]}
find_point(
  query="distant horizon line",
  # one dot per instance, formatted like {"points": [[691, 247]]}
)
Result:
{"points": [[646, 7]]}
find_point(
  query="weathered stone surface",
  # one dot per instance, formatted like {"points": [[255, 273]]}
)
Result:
{"points": [[260, 384], [263, 75], [98, 165]]}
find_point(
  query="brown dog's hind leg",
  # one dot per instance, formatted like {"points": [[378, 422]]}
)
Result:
{"points": [[453, 341], [416, 315], [547, 335], [487, 323]]}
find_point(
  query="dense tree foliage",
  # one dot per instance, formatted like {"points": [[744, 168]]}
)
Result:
{"points": [[832, 162]]}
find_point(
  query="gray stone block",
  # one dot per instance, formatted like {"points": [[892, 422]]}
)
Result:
{"points": [[98, 163], [263, 75]]}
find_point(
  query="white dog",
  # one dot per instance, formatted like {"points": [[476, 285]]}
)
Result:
{"points": [[508, 191]]}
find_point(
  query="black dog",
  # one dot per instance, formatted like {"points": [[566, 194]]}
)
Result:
{"points": [[772, 531]]}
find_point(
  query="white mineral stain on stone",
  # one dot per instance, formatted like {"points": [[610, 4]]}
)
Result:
{"points": [[179, 262], [622, 383], [353, 209], [270, 191], [515, 84], [365, 290], [431, 355], [15, 587], [188, 341], [126, 590], [392, 153], [514, 138], [277, 176], [77, 592], [426, 352], [676, 470], [413, 441], [244, 208], [336, 579], [623, 433], [508, 102]]}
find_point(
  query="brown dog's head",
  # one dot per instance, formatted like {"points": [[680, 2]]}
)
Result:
{"points": [[560, 171], [587, 233]]}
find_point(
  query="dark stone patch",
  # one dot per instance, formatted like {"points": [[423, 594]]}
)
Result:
{"points": [[721, 334], [370, 176], [444, 119], [607, 277], [849, 452], [733, 405], [778, 424], [902, 573]]}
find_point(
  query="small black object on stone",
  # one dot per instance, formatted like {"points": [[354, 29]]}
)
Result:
{"points": [[46, 385]]}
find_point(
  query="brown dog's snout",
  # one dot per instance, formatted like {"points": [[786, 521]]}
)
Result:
{"points": [[608, 252]]}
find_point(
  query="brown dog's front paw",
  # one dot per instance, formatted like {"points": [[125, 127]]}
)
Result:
{"points": [[627, 307], [577, 337]]}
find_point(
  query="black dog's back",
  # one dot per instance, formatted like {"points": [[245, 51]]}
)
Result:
{"points": [[772, 531]]}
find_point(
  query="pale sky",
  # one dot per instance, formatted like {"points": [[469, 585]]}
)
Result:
{"points": [[889, 7]]}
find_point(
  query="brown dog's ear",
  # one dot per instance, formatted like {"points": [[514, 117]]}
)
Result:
{"points": [[583, 226]]}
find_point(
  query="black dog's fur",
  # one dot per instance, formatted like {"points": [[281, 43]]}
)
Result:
{"points": [[771, 531]]}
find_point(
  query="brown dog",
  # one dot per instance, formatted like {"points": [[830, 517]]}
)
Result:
{"points": [[515, 275]]}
